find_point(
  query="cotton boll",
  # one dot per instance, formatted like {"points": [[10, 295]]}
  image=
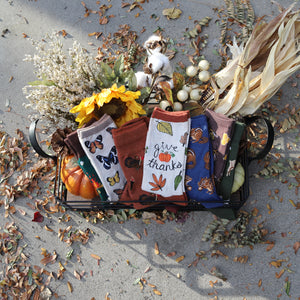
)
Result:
{"points": [[154, 44], [142, 79], [159, 62]]}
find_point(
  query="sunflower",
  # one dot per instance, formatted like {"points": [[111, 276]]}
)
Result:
{"points": [[116, 102]]}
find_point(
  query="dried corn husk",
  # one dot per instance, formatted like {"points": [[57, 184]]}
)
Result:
{"points": [[256, 72]]}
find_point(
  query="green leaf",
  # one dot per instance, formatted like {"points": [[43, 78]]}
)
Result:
{"points": [[177, 180], [287, 287], [107, 73], [119, 66], [42, 82], [69, 254], [130, 80], [131, 211], [124, 215], [29, 274], [178, 80]]}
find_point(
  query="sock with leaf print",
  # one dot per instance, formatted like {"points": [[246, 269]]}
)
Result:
{"points": [[199, 177], [165, 153], [74, 145], [98, 144]]}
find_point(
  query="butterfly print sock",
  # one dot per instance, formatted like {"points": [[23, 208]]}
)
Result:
{"points": [[165, 153], [74, 145], [199, 179], [220, 130], [97, 142], [225, 186]]}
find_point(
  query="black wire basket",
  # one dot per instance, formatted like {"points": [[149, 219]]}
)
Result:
{"points": [[228, 211]]}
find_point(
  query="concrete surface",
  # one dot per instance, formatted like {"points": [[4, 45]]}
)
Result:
{"points": [[117, 243]]}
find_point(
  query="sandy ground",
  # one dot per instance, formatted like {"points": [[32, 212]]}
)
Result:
{"points": [[125, 257]]}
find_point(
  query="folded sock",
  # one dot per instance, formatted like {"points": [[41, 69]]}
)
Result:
{"points": [[220, 129], [165, 153], [199, 177], [130, 141], [225, 186], [72, 141], [98, 144]]}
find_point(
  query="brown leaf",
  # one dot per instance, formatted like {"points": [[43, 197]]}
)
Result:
{"points": [[76, 274], [145, 232], [171, 254], [138, 235], [296, 247], [49, 259], [103, 20], [156, 249], [270, 246], [278, 275], [259, 282]]}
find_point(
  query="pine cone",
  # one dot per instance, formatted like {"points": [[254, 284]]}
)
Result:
{"points": [[57, 141]]}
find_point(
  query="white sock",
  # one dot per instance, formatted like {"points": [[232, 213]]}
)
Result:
{"points": [[98, 144], [165, 153]]}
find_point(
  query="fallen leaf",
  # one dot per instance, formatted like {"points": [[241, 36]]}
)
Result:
{"points": [[37, 217], [171, 254], [157, 292], [76, 274], [138, 235], [156, 249], [70, 287], [172, 13], [270, 246], [259, 282], [296, 247], [180, 258], [278, 275], [96, 256], [47, 228]]}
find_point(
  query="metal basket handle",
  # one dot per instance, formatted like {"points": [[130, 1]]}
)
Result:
{"points": [[261, 154], [34, 143]]}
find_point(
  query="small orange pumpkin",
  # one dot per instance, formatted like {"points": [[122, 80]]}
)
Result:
{"points": [[76, 182]]}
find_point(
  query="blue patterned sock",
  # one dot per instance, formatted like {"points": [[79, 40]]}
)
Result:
{"points": [[199, 179]]}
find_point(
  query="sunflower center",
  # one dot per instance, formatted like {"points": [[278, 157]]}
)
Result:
{"points": [[115, 108]]}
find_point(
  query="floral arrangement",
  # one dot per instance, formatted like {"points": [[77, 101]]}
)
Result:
{"points": [[75, 83]]}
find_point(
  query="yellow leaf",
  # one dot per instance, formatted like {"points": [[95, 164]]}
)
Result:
{"points": [[165, 127], [70, 287], [156, 249], [172, 13], [95, 256], [259, 283], [48, 229], [157, 292], [180, 258]]}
